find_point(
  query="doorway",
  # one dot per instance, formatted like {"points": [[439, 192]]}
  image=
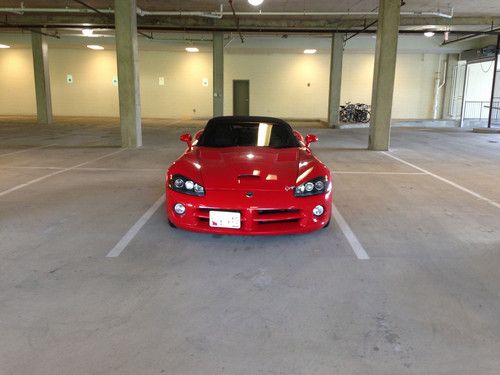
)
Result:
{"points": [[241, 97], [477, 93]]}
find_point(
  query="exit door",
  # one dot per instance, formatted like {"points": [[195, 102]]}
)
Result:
{"points": [[241, 97]]}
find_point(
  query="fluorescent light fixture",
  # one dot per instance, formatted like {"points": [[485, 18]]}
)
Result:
{"points": [[87, 32], [4, 46], [192, 49], [95, 47], [310, 51], [255, 3], [429, 34]]}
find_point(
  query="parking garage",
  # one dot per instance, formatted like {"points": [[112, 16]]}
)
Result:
{"points": [[93, 98]]}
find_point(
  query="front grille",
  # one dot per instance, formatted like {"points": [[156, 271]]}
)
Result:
{"points": [[270, 212], [276, 218]]}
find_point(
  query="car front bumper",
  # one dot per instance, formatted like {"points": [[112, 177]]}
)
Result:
{"points": [[265, 213]]}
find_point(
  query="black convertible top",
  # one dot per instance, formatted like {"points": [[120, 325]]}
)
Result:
{"points": [[243, 119]]}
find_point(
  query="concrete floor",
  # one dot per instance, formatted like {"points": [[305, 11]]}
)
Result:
{"points": [[426, 302]]}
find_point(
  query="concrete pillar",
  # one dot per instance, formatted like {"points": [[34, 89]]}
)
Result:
{"points": [[337, 55], [384, 73], [128, 72], [218, 68], [42, 78]]}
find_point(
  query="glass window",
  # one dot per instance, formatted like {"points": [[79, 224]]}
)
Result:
{"points": [[233, 133]]}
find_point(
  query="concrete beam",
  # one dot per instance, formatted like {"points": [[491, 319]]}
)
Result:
{"points": [[384, 74], [326, 24], [218, 76], [128, 72], [337, 55], [42, 78]]}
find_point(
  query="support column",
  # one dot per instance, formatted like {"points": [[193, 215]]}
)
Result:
{"points": [[42, 78], [384, 73], [218, 68], [128, 72], [337, 55]]}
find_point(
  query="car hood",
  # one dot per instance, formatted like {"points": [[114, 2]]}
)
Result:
{"points": [[243, 168]]}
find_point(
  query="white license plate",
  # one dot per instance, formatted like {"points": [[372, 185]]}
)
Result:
{"points": [[224, 219]]}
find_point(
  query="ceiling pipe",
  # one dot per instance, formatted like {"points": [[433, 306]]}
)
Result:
{"points": [[215, 15], [221, 13], [476, 34]]}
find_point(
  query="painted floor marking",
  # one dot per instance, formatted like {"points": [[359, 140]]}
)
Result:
{"points": [[455, 185], [380, 173], [349, 235], [26, 150], [132, 232], [88, 169], [5, 192]]}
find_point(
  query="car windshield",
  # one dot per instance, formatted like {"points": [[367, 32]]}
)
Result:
{"points": [[261, 134]]}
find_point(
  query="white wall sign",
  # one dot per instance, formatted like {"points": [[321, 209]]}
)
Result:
{"points": [[161, 81], [204, 82], [69, 78]]}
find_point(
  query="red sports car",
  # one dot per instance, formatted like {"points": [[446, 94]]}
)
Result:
{"points": [[248, 176]]}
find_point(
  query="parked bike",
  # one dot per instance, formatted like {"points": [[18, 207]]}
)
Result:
{"points": [[354, 113]]}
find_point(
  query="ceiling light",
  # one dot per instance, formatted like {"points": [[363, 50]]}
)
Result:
{"points": [[87, 32], [96, 47], [310, 51], [192, 49], [429, 34], [4, 46], [255, 3]]}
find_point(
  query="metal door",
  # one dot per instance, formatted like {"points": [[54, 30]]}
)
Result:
{"points": [[241, 97]]}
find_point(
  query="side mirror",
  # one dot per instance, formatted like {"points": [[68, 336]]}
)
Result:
{"points": [[188, 139], [311, 138]]}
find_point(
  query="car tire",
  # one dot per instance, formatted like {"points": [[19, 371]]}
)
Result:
{"points": [[172, 225]]}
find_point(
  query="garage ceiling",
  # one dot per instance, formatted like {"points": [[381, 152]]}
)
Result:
{"points": [[461, 7], [478, 15]]}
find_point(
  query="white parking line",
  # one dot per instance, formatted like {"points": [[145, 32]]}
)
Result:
{"points": [[381, 173], [50, 168], [5, 192], [26, 150], [455, 185], [96, 169], [349, 235], [132, 232]]}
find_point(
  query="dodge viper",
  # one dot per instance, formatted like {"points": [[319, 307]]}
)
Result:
{"points": [[248, 176]]}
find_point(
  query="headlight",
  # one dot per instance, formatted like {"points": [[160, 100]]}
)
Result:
{"points": [[318, 185], [185, 185]]}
